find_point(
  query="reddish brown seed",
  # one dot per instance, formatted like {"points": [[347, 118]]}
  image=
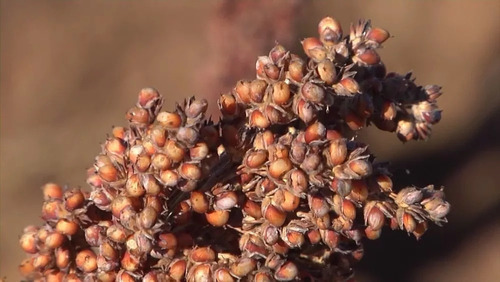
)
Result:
{"points": [[304, 110], [107, 250], [314, 132], [257, 90], [318, 205], [277, 53], [201, 272], [86, 260], [263, 277], [314, 48], [94, 180], [333, 135], [169, 178], [52, 191], [202, 255], [108, 173], [376, 219], [281, 93], [384, 182], [129, 262], [368, 57], [329, 30], [73, 199], [359, 190], [218, 217], [177, 269], [161, 162], [362, 168], [26, 267], [294, 239], [149, 147], [169, 120], [62, 257], [312, 92], [409, 223], [134, 187], [354, 121], [299, 183], [337, 151], [135, 151], [93, 235], [260, 66], [372, 234], [109, 276], [118, 132], [54, 240], [258, 119], [388, 110], [124, 276], [420, 229], [350, 85], [137, 115], [242, 267], [279, 167], [54, 276], [28, 242], [167, 241], [280, 247], [120, 203], [330, 238], [199, 151], [67, 227], [297, 69], [147, 97], [53, 210], [274, 215], [174, 151], [290, 201], [287, 272], [222, 275], [115, 146], [143, 162], [199, 202], [41, 261], [182, 213], [255, 159], [226, 200], [269, 233], [348, 209], [326, 71], [272, 71], [314, 236], [253, 209], [377, 35], [242, 89], [147, 217], [117, 233], [274, 115], [196, 107], [406, 130], [187, 135], [190, 171], [158, 136]]}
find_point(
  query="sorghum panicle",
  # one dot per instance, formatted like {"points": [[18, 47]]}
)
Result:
{"points": [[276, 190]]}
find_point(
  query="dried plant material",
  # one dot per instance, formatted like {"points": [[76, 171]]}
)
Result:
{"points": [[274, 191]]}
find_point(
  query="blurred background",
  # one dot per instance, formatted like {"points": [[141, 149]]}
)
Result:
{"points": [[70, 70]]}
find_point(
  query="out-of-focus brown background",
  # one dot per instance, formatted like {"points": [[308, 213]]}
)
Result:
{"points": [[70, 70]]}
